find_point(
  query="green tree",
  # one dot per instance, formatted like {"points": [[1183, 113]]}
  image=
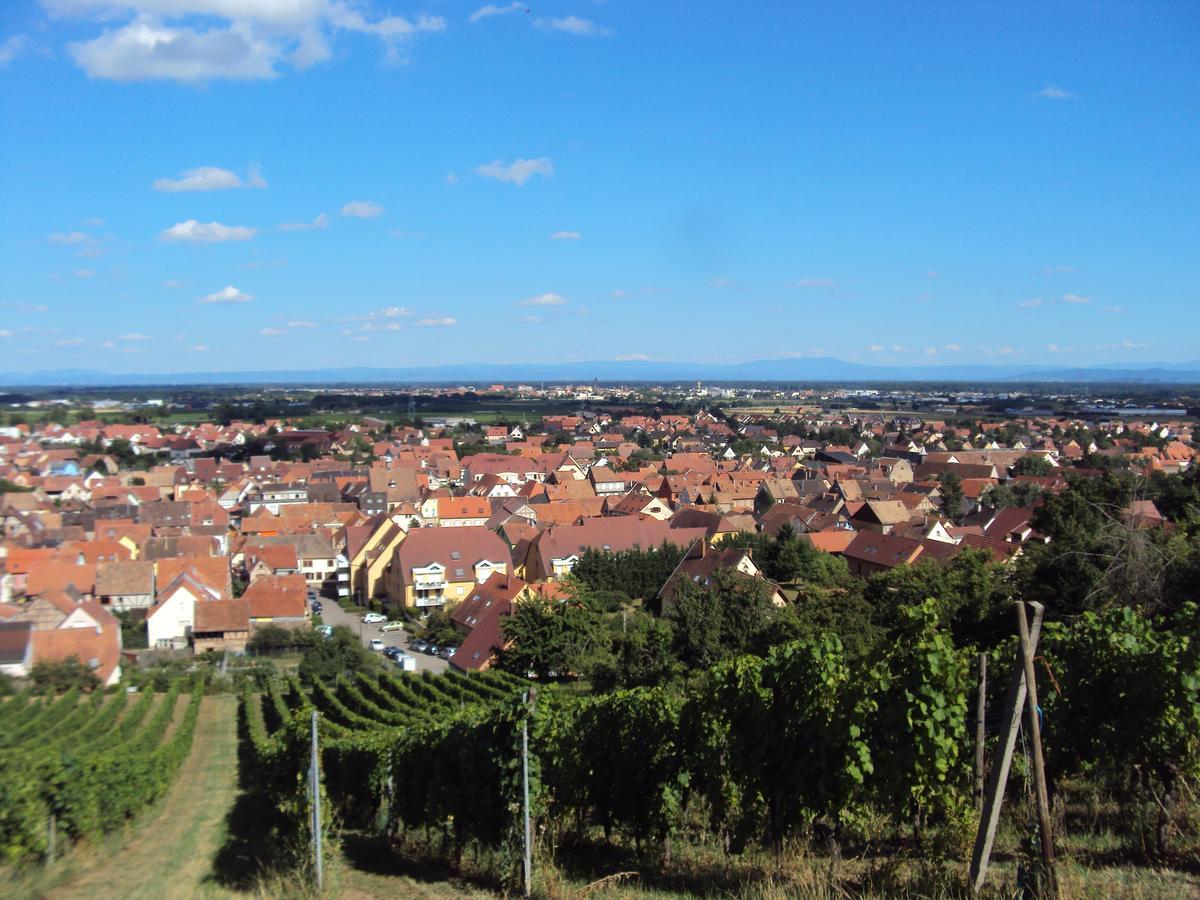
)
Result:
{"points": [[342, 652], [554, 639], [60, 676], [1032, 464], [730, 616]]}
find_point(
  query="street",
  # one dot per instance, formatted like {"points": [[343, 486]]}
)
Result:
{"points": [[333, 614]]}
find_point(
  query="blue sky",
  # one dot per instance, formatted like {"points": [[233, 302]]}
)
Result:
{"points": [[193, 185]]}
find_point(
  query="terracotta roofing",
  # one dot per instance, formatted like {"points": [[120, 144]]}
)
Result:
{"points": [[127, 577], [277, 596], [452, 548], [219, 616], [885, 550]]}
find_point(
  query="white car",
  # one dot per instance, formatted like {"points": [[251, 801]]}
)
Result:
{"points": [[373, 618], [377, 645]]}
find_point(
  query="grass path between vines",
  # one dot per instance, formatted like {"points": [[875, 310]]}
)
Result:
{"points": [[171, 855]]}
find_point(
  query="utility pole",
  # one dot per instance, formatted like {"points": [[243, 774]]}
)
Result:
{"points": [[1039, 768], [998, 777], [530, 701], [980, 730], [314, 781]]}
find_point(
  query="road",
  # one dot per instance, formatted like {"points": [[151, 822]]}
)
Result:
{"points": [[332, 614]]}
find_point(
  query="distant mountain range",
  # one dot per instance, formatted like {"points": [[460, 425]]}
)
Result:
{"points": [[803, 369]]}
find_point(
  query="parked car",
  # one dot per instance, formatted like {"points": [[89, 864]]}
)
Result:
{"points": [[394, 625], [324, 630], [374, 618], [393, 653], [376, 645], [421, 646], [448, 652]]}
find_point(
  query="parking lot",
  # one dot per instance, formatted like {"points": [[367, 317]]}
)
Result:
{"points": [[332, 614]]}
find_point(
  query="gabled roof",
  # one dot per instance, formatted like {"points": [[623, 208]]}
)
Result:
{"points": [[452, 548]]}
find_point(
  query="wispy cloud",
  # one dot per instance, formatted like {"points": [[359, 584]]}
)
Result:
{"points": [[1057, 270], [362, 209], [952, 348], [135, 336], [532, 320], [444, 322], [574, 25], [210, 178], [565, 235], [631, 357], [11, 47], [321, 221], [301, 323], [200, 348], [84, 273], [70, 238], [228, 294], [207, 232], [172, 284], [1054, 92], [816, 283], [1032, 303], [1076, 299], [490, 10], [876, 348], [392, 312], [69, 342], [518, 171], [547, 299]]}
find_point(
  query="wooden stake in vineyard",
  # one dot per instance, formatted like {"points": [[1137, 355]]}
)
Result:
{"points": [[1039, 769], [980, 730], [998, 777], [314, 784]]}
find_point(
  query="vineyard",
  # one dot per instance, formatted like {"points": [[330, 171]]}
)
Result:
{"points": [[77, 766], [757, 752]]}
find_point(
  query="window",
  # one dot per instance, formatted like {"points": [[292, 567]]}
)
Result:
{"points": [[455, 555]]}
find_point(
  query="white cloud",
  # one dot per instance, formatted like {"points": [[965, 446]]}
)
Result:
{"points": [[518, 171], [1057, 270], [546, 299], [565, 235], [574, 25], [172, 284], [1076, 299], [301, 323], [816, 283], [631, 357], [362, 338], [897, 348], [383, 326], [394, 311], [876, 348], [109, 345], [70, 237], [451, 178], [321, 221], [620, 294], [444, 322], [931, 351], [1054, 92], [200, 348], [721, 282], [1112, 309], [532, 320], [207, 232], [1032, 303], [84, 273], [271, 332], [205, 178], [5, 333], [135, 336], [11, 47], [362, 209], [247, 39], [490, 10], [952, 348], [1054, 348], [228, 294], [70, 342]]}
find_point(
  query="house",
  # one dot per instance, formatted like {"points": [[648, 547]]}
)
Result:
{"points": [[871, 551], [126, 585], [880, 515], [701, 563], [463, 512], [433, 567], [277, 600], [16, 648], [58, 626], [369, 549], [221, 625], [170, 620], [553, 553], [637, 503], [480, 619]]}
